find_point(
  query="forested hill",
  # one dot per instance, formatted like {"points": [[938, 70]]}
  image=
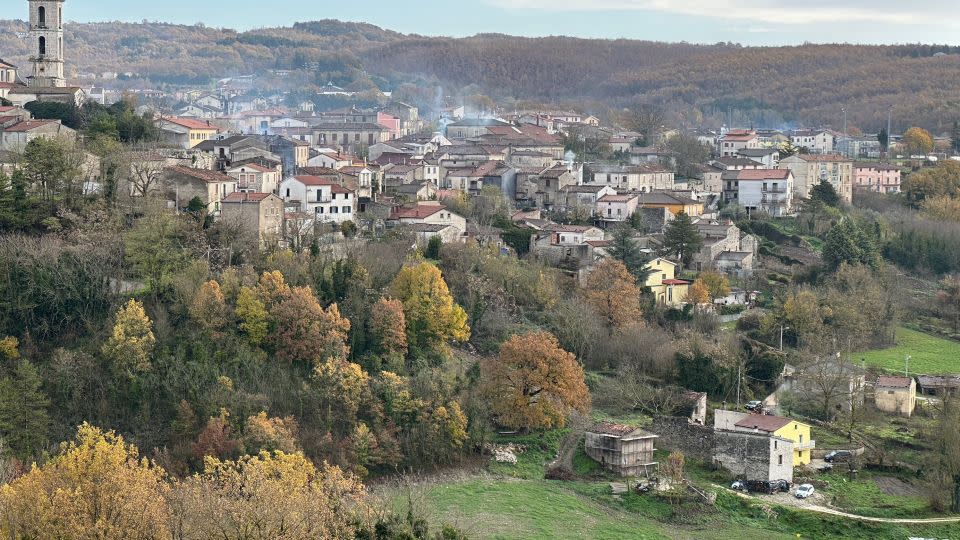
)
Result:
{"points": [[763, 85]]}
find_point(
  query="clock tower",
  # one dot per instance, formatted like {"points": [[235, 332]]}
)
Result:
{"points": [[46, 36]]}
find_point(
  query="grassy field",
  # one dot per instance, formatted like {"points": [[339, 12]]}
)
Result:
{"points": [[498, 508], [514, 501], [929, 354]]}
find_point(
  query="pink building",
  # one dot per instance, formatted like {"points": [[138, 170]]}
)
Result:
{"points": [[877, 177], [391, 123]]}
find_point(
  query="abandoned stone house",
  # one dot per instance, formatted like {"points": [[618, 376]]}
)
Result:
{"points": [[625, 450], [754, 456], [895, 395]]}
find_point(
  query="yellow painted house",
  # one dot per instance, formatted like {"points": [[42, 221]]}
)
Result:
{"points": [[186, 132], [785, 428], [674, 203], [664, 285]]}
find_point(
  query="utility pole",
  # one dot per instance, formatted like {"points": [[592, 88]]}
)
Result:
{"points": [[889, 123], [738, 386]]}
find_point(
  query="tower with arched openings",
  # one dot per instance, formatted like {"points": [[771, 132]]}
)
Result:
{"points": [[46, 37]]}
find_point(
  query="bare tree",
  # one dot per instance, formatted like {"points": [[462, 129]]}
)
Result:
{"points": [[145, 173], [643, 118]]}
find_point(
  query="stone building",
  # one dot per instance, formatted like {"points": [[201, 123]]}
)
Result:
{"points": [[625, 450], [754, 456], [896, 395], [259, 213]]}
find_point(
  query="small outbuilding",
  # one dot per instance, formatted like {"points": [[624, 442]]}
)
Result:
{"points": [[896, 395], [625, 450]]}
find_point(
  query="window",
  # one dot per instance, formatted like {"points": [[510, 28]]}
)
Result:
{"points": [[347, 209], [43, 45], [319, 209], [780, 459], [288, 192], [42, 17], [334, 210]]}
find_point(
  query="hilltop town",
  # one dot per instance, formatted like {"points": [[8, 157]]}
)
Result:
{"points": [[279, 306]]}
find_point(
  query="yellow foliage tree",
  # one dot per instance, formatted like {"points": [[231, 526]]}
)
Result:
{"points": [[917, 141], [209, 309], [10, 348], [96, 488], [132, 341], [264, 433], [268, 496], [432, 317], [716, 285], [612, 291], [341, 385], [252, 314], [534, 383]]}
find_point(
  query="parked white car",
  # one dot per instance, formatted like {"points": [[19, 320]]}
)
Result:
{"points": [[804, 491]]}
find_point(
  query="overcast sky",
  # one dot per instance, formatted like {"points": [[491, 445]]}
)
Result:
{"points": [[702, 21]]}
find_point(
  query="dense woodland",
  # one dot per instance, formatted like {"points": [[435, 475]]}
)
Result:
{"points": [[762, 86]]}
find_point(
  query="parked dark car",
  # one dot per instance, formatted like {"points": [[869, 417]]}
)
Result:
{"points": [[755, 406], [838, 456]]}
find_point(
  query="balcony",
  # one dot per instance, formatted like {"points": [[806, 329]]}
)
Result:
{"points": [[323, 200], [774, 190], [807, 445]]}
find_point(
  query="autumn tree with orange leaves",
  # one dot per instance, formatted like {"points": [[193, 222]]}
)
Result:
{"points": [[300, 329], [388, 327], [613, 293], [533, 383]]}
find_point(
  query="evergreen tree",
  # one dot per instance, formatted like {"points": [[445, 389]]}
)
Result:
{"points": [[23, 411], [681, 239], [848, 243], [884, 139], [624, 248], [825, 193], [955, 136]]}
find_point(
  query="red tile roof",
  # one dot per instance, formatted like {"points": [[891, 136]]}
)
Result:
{"points": [[190, 123], [29, 125], [255, 167], [763, 422], [241, 197], [420, 211], [894, 382], [675, 282], [619, 430]]}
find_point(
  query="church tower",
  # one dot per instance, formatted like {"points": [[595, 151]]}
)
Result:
{"points": [[46, 35]]}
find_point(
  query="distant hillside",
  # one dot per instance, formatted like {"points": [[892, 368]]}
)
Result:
{"points": [[766, 86]]}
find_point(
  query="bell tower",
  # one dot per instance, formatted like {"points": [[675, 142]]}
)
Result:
{"points": [[46, 36]]}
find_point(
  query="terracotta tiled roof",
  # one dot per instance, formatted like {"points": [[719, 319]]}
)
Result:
{"points": [[255, 167], [420, 211], [29, 125], [894, 382], [242, 197], [823, 158], [618, 430], [763, 422], [675, 282], [190, 123]]}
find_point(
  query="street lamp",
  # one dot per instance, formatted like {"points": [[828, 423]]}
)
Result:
{"points": [[782, 328]]}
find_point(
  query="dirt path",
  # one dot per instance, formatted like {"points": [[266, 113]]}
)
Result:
{"points": [[791, 501], [568, 448]]}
